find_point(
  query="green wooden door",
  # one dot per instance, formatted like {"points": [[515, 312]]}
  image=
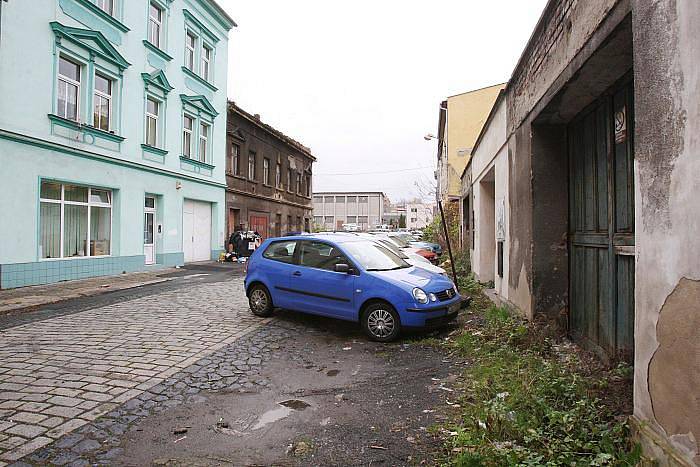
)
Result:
{"points": [[601, 225]]}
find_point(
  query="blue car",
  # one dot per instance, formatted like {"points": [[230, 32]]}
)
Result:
{"points": [[349, 278]]}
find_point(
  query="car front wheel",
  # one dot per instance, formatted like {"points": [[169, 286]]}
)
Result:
{"points": [[260, 301], [381, 322]]}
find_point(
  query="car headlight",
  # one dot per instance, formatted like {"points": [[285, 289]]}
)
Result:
{"points": [[432, 297], [420, 295]]}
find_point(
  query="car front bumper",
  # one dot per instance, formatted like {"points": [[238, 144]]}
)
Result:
{"points": [[433, 316]]}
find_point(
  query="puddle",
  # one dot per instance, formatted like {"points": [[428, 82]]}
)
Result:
{"points": [[285, 409], [333, 372], [295, 404]]}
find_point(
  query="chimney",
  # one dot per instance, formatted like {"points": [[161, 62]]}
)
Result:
{"points": [[257, 117]]}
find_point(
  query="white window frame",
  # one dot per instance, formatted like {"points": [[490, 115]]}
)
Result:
{"points": [[189, 132], [236, 159], [252, 157], [69, 82], [104, 4], [157, 22], [89, 204], [203, 139], [155, 117], [102, 95], [266, 171], [191, 51], [205, 62]]}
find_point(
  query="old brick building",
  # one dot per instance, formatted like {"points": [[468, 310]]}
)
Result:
{"points": [[268, 177]]}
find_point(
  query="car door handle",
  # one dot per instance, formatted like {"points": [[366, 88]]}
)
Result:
{"points": [[296, 273]]}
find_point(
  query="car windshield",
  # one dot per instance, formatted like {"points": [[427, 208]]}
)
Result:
{"points": [[392, 248], [400, 241], [374, 257]]}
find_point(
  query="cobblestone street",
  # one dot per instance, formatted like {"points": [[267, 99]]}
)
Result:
{"points": [[59, 374]]}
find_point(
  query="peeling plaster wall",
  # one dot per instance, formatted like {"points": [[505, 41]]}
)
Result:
{"points": [[667, 174]]}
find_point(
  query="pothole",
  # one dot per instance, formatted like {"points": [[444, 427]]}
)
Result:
{"points": [[285, 409]]}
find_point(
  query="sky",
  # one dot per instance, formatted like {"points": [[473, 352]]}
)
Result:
{"points": [[360, 82]]}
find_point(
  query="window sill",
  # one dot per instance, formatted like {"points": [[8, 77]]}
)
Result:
{"points": [[154, 150], [157, 51], [199, 79], [74, 125], [103, 134], [197, 163], [103, 15], [239, 177]]}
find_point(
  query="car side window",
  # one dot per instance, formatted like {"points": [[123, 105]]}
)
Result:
{"points": [[281, 251], [320, 255]]}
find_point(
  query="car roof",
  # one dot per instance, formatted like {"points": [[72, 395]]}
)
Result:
{"points": [[337, 237]]}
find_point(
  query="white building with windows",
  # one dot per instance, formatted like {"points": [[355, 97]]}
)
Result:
{"points": [[112, 136], [333, 209], [419, 215]]}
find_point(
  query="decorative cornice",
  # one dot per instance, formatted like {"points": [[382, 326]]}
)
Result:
{"points": [[200, 103], [52, 146], [92, 40], [158, 80]]}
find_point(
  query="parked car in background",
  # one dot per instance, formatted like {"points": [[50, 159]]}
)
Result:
{"points": [[407, 241], [350, 227], [408, 254], [351, 278]]}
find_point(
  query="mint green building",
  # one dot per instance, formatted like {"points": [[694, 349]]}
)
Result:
{"points": [[112, 136]]}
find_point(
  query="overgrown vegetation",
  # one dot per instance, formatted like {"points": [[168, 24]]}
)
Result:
{"points": [[526, 401], [434, 231]]}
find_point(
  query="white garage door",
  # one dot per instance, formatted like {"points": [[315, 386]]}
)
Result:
{"points": [[196, 230]]}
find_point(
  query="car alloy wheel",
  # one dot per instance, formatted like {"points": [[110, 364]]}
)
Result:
{"points": [[260, 301], [381, 323]]}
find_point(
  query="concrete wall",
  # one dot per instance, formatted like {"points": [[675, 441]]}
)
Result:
{"points": [[667, 174]]}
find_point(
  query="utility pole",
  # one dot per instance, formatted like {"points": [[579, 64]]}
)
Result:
{"points": [[447, 240]]}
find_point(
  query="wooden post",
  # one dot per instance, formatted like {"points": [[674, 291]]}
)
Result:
{"points": [[449, 247]]}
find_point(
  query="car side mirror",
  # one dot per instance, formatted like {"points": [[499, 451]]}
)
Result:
{"points": [[342, 268]]}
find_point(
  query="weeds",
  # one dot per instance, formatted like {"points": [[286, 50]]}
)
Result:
{"points": [[523, 406]]}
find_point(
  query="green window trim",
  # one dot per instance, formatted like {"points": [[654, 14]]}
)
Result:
{"points": [[151, 149], [104, 15], [158, 80], [199, 79], [197, 163], [157, 51], [198, 27]]}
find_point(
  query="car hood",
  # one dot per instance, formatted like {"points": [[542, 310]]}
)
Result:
{"points": [[425, 265], [408, 278]]}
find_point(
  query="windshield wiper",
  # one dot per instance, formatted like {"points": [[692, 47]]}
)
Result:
{"points": [[389, 269]]}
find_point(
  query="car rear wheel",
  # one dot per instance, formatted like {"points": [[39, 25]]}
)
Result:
{"points": [[381, 322], [260, 301]]}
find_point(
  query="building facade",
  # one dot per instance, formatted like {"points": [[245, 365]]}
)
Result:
{"points": [[419, 215], [268, 176], [587, 175], [112, 136], [333, 209], [460, 120]]}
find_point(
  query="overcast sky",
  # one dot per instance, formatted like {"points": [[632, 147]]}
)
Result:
{"points": [[360, 81]]}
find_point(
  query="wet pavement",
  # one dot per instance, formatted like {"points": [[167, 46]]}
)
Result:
{"points": [[187, 376]]}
